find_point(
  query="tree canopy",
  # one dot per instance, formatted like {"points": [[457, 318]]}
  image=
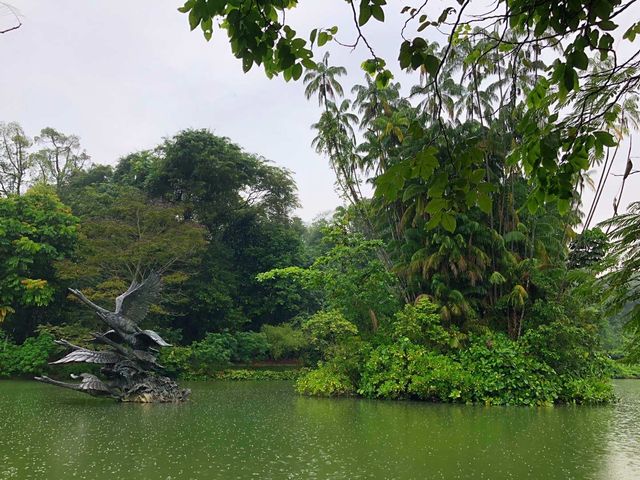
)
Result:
{"points": [[573, 105], [36, 230], [197, 208]]}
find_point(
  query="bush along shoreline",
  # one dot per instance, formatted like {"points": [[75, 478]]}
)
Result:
{"points": [[412, 356], [219, 356], [417, 358]]}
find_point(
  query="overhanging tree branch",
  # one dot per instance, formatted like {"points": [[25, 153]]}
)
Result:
{"points": [[14, 13]]}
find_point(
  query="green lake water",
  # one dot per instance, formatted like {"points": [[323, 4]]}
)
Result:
{"points": [[263, 430]]}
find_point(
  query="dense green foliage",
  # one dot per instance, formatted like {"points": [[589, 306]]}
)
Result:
{"points": [[284, 341], [36, 230], [212, 357], [198, 208], [422, 360], [383, 304], [622, 278], [30, 358], [214, 352], [347, 277], [469, 183]]}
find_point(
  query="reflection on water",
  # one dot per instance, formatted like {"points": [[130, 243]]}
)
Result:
{"points": [[263, 430], [622, 437]]}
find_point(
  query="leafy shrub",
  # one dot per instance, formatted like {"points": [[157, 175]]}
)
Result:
{"points": [[388, 370], [406, 370], [588, 391], [34, 354], [178, 361], [566, 348], [30, 358], [492, 370], [503, 374], [213, 353], [214, 350], [421, 324], [348, 357], [8, 357], [217, 350], [439, 377], [249, 346], [325, 381], [284, 341], [326, 329]]}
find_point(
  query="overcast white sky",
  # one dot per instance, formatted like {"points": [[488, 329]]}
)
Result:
{"points": [[124, 74]]}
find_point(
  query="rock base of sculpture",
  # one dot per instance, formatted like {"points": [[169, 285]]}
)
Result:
{"points": [[155, 389]]}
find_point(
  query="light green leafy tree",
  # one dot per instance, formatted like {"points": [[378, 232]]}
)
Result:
{"points": [[36, 230]]}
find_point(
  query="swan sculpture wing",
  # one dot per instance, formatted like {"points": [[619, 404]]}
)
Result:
{"points": [[135, 302], [89, 356], [151, 338], [89, 384]]}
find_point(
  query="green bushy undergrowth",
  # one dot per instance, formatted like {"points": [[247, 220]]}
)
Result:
{"points": [[27, 359], [211, 356], [620, 369], [411, 357], [208, 358], [325, 381], [417, 358], [284, 341], [202, 359]]}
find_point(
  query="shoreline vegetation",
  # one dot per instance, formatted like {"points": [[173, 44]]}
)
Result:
{"points": [[489, 369], [294, 371]]}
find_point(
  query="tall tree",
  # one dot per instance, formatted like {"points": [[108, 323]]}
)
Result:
{"points": [[15, 160], [59, 157], [322, 81], [622, 268], [214, 180], [36, 230], [245, 203], [123, 234], [336, 139]]}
